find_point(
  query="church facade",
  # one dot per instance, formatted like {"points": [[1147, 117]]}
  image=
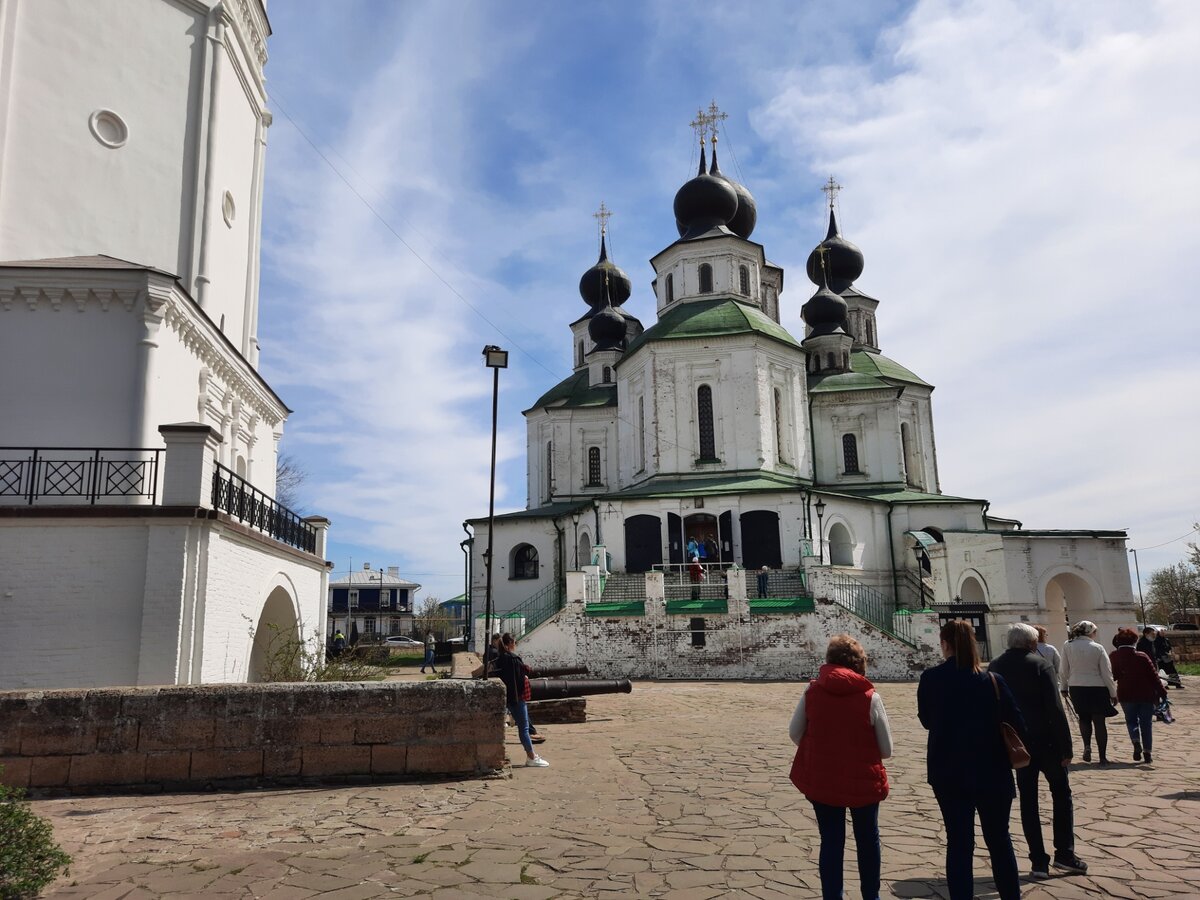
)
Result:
{"points": [[715, 435], [139, 541]]}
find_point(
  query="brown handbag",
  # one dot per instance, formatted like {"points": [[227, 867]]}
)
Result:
{"points": [[1018, 756]]}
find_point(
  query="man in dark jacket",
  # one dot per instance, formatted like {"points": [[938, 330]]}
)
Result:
{"points": [[1031, 680]]}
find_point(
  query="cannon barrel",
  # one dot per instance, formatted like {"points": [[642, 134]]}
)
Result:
{"points": [[556, 689], [559, 671]]}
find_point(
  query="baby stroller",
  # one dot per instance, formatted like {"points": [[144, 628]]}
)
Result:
{"points": [[1162, 710]]}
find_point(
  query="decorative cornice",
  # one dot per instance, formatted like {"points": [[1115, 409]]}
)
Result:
{"points": [[252, 23]]}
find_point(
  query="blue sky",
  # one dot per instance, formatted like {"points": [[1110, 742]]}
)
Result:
{"points": [[1021, 178]]}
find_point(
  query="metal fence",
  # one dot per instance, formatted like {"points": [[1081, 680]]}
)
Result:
{"points": [[678, 583], [779, 583], [621, 587], [870, 605], [72, 474], [234, 495], [538, 608]]}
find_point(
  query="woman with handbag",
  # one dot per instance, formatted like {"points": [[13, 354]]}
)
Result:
{"points": [[1139, 690], [841, 732], [1087, 679], [968, 765]]}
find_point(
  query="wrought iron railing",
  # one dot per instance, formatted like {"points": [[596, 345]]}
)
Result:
{"points": [[234, 495], [870, 605], [678, 584], [538, 608], [914, 592], [621, 586], [780, 583], [52, 474]]}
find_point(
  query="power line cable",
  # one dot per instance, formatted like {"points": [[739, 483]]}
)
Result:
{"points": [[1165, 543]]}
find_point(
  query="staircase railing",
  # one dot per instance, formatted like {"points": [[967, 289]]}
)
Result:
{"points": [[914, 592], [538, 608], [871, 606]]}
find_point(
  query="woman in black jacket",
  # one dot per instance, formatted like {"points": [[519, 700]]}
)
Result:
{"points": [[967, 764], [515, 675]]}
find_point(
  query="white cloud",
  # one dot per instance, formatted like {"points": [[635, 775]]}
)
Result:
{"points": [[1022, 180]]}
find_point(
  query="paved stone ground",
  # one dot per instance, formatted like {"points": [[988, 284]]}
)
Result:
{"points": [[678, 790]]}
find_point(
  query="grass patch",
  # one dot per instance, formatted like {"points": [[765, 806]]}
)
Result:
{"points": [[419, 858], [526, 878], [1188, 668], [405, 659]]}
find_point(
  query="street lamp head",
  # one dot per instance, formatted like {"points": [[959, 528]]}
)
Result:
{"points": [[494, 357], [575, 517], [820, 508]]}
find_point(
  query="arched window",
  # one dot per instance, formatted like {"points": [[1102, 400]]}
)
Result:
{"points": [[841, 545], [523, 562], [830, 361], [706, 284], [850, 454], [912, 469], [704, 422], [579, 354], [778, 427], [744, 280], [606, 375], [846, 359], [870, 334], [594, 467], [670, 291]]}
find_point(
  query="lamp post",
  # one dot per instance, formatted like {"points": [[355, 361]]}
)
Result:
{"points": [[495, 359], [1141, 599], [821, 530], [575, 519], [381, 631]]}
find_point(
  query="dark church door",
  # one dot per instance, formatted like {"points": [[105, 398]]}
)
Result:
{"points": [[760, 539], [675, 539], [643, 543]]}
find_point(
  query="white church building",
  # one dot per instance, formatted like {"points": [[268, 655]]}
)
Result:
{"points": [[717, 433], [139, 541]]}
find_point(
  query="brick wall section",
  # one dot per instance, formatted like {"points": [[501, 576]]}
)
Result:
{"points": [[230, 735], [1185, 645]]}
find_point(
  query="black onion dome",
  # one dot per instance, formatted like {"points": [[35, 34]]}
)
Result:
{"points": [[591, 285], [843, 260], [825, 312], [746, 217], [607, 325], [704, 203]]}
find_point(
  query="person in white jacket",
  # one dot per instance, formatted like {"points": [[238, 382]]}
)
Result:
{"points": [[1088, 680]]}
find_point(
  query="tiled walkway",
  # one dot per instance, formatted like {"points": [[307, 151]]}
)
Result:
{"points": [[678, 790]]}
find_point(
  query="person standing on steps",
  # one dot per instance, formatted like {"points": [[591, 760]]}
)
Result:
{"points": [[764, 580], [1087, 679], [696, 575], [1034, 686]]}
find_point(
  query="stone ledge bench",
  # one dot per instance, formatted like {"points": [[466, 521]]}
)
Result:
{"points": [[239, 735]]}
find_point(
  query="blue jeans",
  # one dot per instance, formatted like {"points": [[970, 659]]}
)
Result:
{"points": [[831, 822], [520, 713], [1138, 717], [958, 812], [428, 661]]}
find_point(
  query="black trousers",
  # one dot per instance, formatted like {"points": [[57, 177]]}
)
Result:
{"points": [[1064, 809]]}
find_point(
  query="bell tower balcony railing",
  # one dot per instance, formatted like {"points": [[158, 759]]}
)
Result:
{"points": [[234, 495], [73, 475]]}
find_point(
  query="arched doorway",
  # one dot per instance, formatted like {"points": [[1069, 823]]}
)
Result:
{"points": [[643, 543], [972, 591], [278, 650], [760, 539], [841, 545], [585, 549], [1067, 597], [701, 537]]}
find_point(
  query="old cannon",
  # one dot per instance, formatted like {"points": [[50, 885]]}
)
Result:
{"points": [[558, 689], [559, 671]]}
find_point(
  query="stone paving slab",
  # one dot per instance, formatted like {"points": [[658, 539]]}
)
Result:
{"points": [[678, 790]]}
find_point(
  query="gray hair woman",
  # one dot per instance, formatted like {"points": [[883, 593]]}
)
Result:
{"points": [[1088, 680]]}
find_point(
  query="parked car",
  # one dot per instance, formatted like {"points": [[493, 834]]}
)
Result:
{"points": [[403, 642]]}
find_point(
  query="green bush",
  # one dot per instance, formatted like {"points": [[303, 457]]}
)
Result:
{"points": [[29, 858]]}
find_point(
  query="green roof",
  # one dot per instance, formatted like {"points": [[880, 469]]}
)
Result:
{"points": [[726, 483], [552, 511], [781, 605], [615, 608], [712, 318], [868, 371], [575, 392], [682, 607]]}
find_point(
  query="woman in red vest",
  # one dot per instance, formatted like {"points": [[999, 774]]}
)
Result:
{"points": [[841, 731]]}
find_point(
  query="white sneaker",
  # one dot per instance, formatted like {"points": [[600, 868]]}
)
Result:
{"points": [[536, 761]]}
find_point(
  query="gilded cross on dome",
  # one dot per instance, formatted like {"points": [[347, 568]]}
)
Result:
{"points": [[602, 215], [700, 125], [830, 189], [714, 117]]}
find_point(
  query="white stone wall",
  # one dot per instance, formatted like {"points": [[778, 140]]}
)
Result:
{"points": [[738, 644]]}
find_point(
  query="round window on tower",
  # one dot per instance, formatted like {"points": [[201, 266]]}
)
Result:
{"points": [[228, 209], [108, 128]]}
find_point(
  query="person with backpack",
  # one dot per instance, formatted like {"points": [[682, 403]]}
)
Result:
{"points": [[841, 733]]}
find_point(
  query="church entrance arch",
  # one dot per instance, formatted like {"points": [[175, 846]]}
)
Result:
{"points": [[643, 543], [585, 549], [702, 537], [972, 591], [1067, 598], [276, 652], [841, 545], [760, 539]]}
